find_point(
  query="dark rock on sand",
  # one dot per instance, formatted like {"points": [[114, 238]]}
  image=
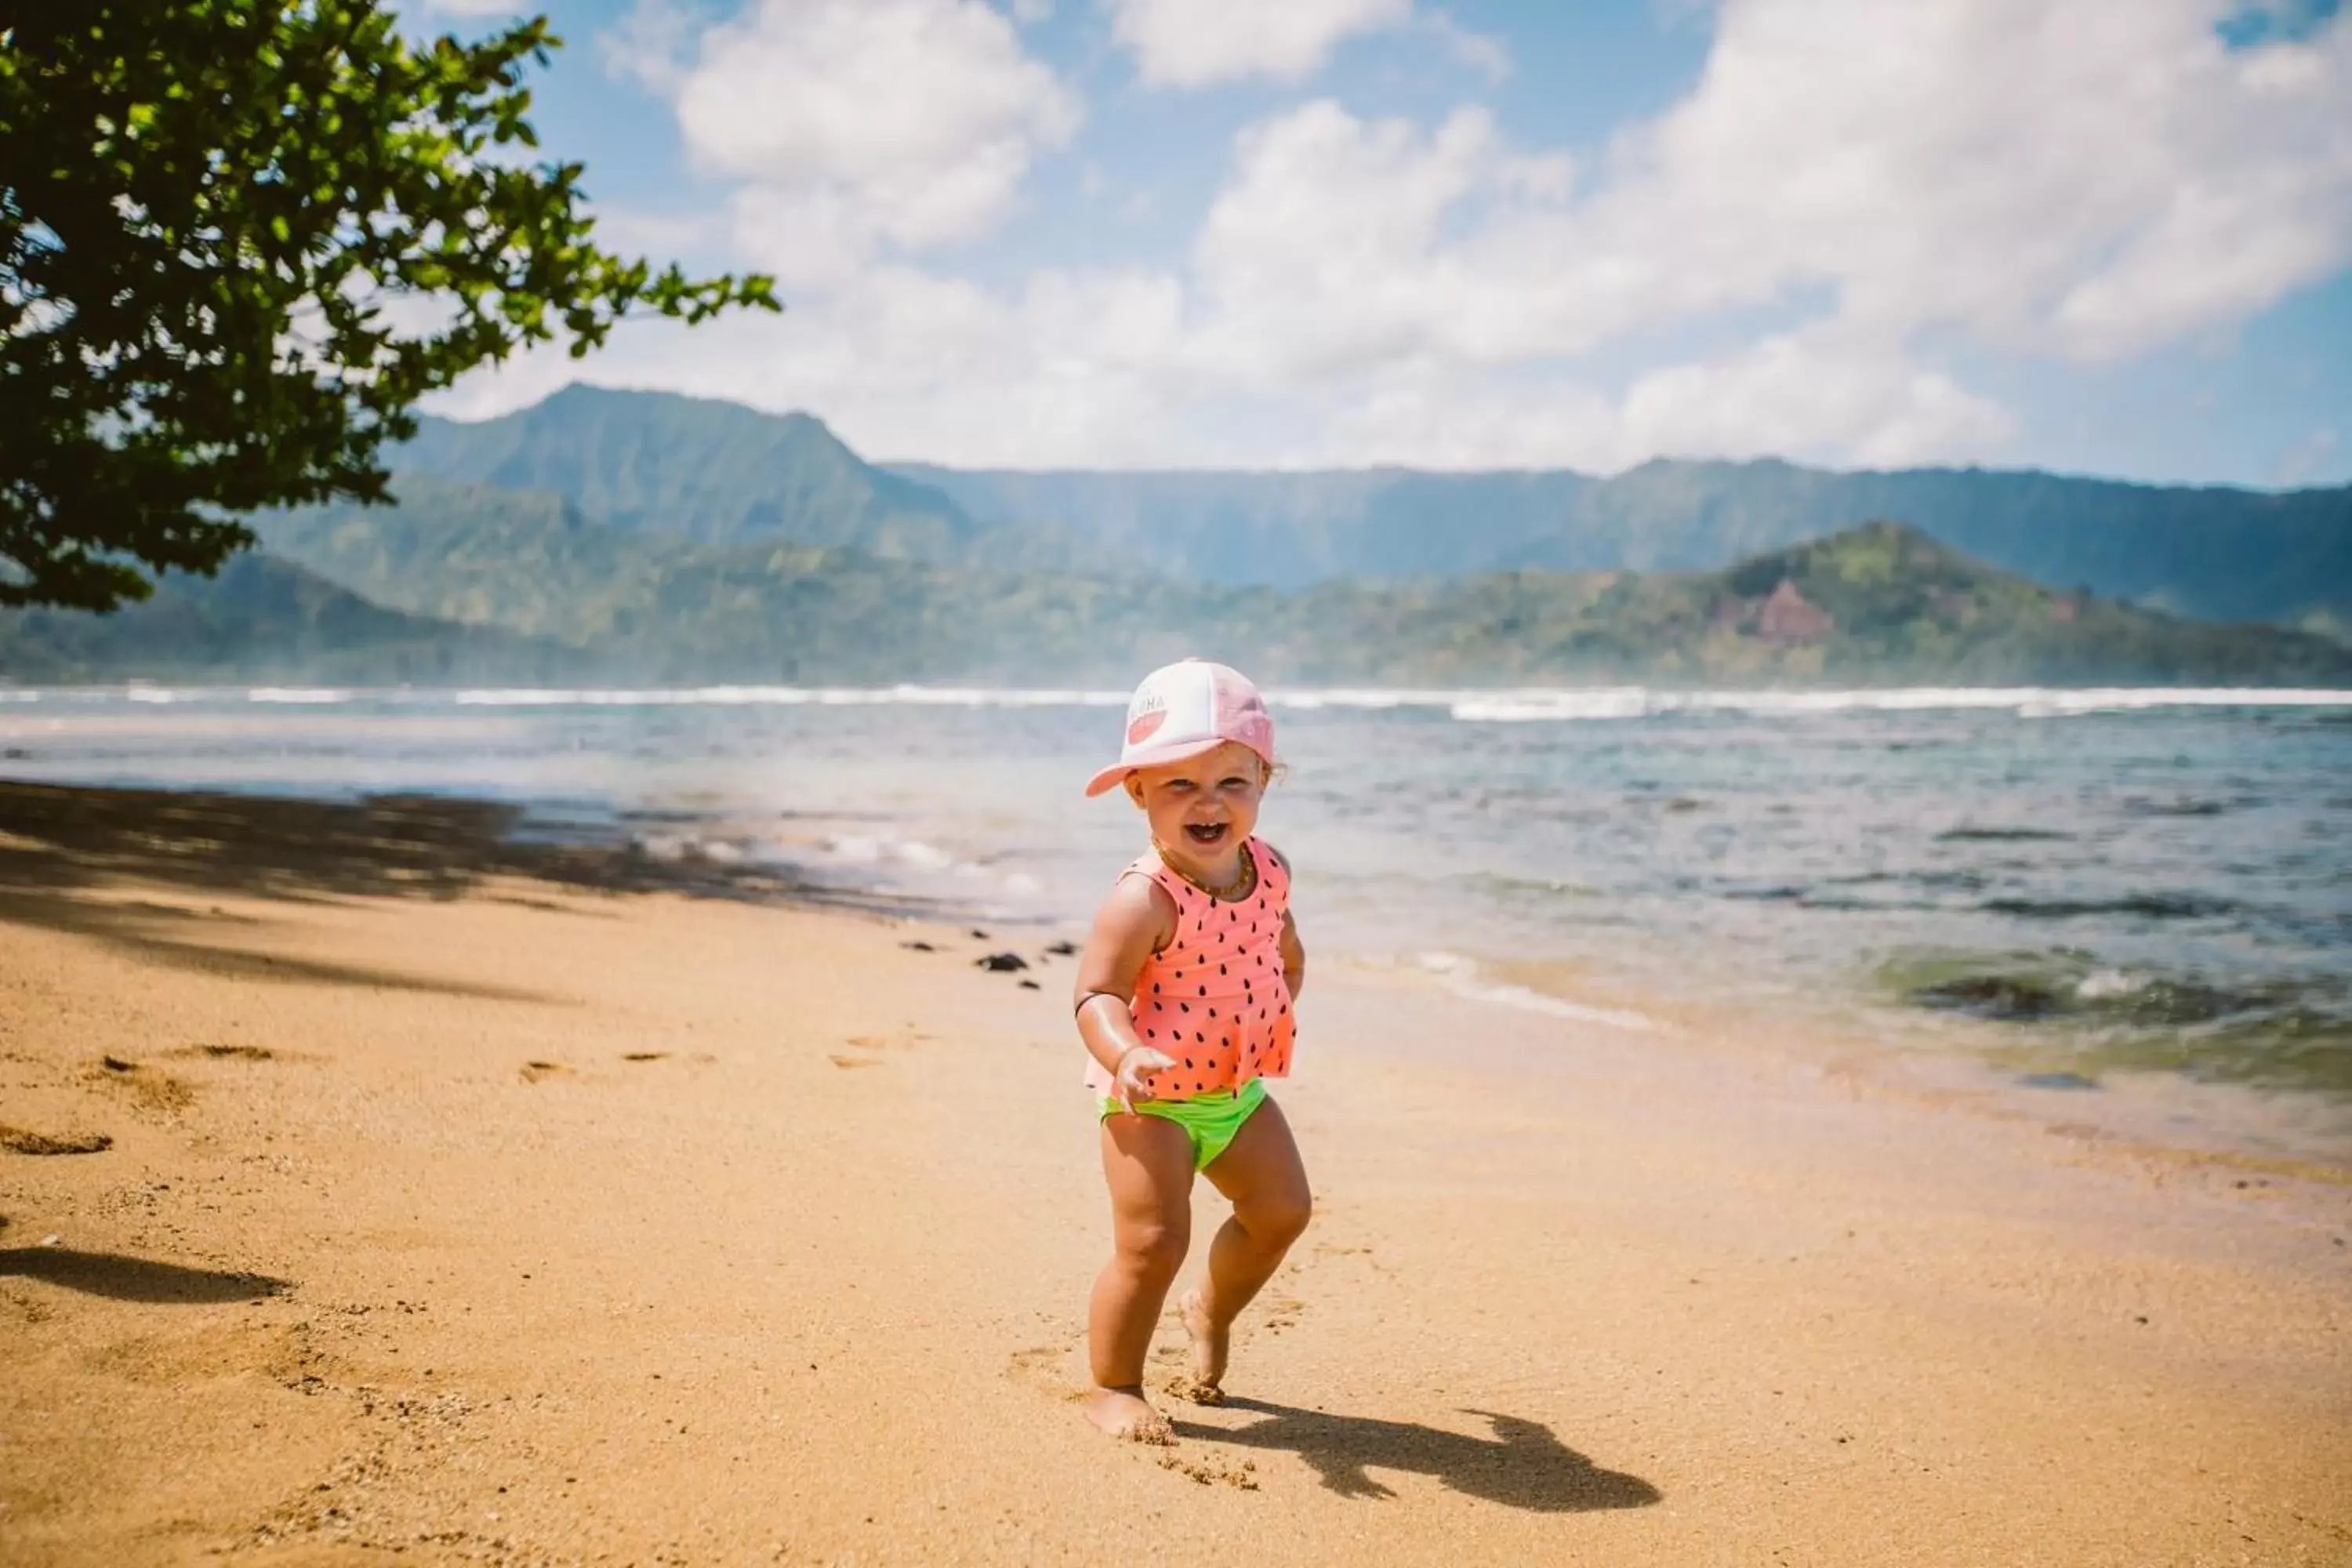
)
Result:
{"points": [[2057, 1080], [23, 1141]]}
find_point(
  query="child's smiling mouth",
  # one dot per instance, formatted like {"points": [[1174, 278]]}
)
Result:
{"points": [[1206, 833]]}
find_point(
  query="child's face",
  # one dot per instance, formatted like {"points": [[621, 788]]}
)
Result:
{"points": [[1203, 807]]}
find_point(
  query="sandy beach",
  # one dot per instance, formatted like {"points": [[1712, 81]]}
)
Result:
{"points": [[451, 1203]]}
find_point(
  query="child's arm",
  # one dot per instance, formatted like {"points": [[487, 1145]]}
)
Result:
{"points": [[1293, 956], [1137, 920], [1294, 953]]}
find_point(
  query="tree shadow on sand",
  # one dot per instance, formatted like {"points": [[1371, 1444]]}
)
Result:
{"points": [[124, 1278], [63, 837], [1522, 1466], [63, 848]]}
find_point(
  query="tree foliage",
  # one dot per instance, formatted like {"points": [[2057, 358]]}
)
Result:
{"points": [[240, 239]]}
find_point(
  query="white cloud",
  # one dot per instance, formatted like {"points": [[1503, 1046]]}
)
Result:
{"points": [[2090, 182], [1332, 248], [1073, 367], [476, 7], [1813, 394], [1199, 43], [2096, 178], [1848, 191], [858, 124]]}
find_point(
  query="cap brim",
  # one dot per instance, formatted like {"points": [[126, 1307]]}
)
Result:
{"points": [[1151, 757]]}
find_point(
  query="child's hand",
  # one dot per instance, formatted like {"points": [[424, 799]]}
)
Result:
{"points": [[1135, 1070]]}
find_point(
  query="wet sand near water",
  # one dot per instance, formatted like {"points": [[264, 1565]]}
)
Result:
{"points": [[440, 1203]]}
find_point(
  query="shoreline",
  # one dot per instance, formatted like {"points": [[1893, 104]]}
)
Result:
{"points": [[2148, 1117], [495, 1218], [446, 840]]}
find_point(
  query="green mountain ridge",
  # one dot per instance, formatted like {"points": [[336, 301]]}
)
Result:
{"points": [[720, 473], [2215, 552], [469, 582], [661, 553], [711, 472]]}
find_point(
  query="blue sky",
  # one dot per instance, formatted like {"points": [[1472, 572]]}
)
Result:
{"points": [[2113, 236]]}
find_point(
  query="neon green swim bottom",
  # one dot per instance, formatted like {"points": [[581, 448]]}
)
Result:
{"points": [[1210, 1121]]}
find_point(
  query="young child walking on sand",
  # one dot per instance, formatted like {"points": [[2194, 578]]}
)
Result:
{"points": [[1184, 999]]}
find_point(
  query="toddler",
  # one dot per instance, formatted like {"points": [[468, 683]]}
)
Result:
{"points": [[1185, 996]]}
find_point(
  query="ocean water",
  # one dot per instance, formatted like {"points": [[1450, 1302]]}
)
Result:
{"points": [[2136, 897]]}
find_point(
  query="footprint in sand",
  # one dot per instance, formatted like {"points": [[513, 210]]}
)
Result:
{"points": [[147, 1087], [645, 1055], [229, 1053], [23, 1140], [1046, 1368], [1325, 1251], [842, 1061], [1212, 1472], [534, 1071]]}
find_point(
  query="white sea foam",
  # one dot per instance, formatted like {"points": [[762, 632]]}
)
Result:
{"points": [[1461, 977], [1523, 705], [301, 696], [786, 697], [914, 852], [1538, 705], [887, 849], [1310, 699], [2102, 983], [855, 849], [1535, 707]]}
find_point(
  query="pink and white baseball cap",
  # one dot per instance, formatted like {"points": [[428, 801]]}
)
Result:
{"points": [[1183, 710]]}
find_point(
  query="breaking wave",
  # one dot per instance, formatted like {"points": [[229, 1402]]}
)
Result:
{"points": [[1537, 706], [1528, 705]]}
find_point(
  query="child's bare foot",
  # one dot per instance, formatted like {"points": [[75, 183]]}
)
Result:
{"points": [[1124, 1413], [1209, 1345]]}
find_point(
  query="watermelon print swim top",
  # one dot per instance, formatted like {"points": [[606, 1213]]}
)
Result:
{"points": [[1213, 999]]}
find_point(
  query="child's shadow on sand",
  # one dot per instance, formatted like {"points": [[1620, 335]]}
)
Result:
{"points": [[1523, 1465], [133, 1278]]}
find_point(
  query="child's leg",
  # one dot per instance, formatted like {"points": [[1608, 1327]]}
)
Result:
{"points": [[1261, 1173], [1148, 1161]]}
